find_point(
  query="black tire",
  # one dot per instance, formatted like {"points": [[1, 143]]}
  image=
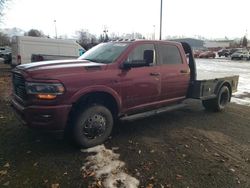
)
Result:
{"points": [[92, 126], [219, 103]]}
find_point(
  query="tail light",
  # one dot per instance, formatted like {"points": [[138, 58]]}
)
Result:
{"points": [[19, 59]]}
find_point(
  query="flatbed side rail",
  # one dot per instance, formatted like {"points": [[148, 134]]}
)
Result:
{"points": [[207, 89]]}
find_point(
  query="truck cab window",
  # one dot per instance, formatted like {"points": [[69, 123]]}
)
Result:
{"points": [[169, 54], [141, 54]]}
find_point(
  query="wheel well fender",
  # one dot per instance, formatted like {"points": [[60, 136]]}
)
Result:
{"points": [[102, 95], [96, 89]]}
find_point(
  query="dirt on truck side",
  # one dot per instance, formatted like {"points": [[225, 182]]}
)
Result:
{"points": [[185, 148]]}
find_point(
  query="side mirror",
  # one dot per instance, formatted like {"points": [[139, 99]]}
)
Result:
{"points": [[148, 56]]}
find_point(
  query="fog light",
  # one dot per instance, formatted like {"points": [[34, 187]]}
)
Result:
{"points": [[46, 116]]}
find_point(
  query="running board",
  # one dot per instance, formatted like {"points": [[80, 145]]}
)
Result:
{"points": [[152, 112]]}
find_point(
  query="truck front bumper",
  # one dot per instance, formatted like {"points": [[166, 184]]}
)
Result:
{"points": [[42, 117]]}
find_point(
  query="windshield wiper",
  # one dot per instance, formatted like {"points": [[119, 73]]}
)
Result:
{"points": [[89, 60], [97, 61]]}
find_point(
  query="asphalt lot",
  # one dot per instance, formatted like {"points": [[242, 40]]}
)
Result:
{"points": [[185, 148]]}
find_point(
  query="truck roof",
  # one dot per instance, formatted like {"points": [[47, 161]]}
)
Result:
{"points": [[145, 41]]}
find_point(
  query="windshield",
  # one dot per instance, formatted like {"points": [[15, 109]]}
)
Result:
{"points": [[104, 52]]}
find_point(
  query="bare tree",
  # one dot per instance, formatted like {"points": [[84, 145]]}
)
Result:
{"points": [[2, 6], [4, 39], [34, 33], [86, 39], [114, 36]]}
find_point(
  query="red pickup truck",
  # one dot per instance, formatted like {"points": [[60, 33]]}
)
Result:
{"points": [[114, 80]]}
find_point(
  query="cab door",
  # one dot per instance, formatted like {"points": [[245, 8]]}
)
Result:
{"points": [[175, 72], [140, 85]]}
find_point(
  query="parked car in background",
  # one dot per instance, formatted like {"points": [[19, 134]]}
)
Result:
{"points": [[234, 50], [4, 49], [207, 54], [1, 60], [5, 53], [196, 53], [240, 54], [7, 58], [223, 52]]}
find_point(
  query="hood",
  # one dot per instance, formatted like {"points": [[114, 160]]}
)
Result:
{"points": [[57, 64], [58, 69]]}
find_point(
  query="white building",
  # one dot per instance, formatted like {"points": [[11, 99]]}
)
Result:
{"points": [[218, 44]]}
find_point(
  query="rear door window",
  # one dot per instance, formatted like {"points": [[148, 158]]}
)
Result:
{"points": [[169, 55]]}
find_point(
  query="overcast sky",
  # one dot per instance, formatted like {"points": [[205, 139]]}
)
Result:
{"points": [[208, 18]]}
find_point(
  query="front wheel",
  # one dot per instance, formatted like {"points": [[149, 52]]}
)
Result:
{"points": [[220, 102], [92, 126]]}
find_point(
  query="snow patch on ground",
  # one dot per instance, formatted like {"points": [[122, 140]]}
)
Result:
{"points": [[105, 164], [225, 67], [244, 101]]}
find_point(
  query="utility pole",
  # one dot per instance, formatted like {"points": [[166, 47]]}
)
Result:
{"points": [[55, 28], [105, 34], [160, 20]]}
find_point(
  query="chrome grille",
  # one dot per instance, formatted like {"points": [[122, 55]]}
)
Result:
{"points": [[19, 86]]}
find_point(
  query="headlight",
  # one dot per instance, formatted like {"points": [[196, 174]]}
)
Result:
{"points": [[44, 90]]}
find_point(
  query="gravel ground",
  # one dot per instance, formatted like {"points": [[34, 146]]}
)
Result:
{"points": [[185, 148]]}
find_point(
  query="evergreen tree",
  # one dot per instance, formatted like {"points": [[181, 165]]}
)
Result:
{"points": [[101, 38], [106, 38], [34, 33], [244, 41]]}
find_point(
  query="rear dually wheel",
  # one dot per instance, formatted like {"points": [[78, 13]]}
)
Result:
{"points": [[219, 103]]}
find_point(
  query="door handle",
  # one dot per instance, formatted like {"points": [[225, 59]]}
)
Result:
{"points": [[154, 74], [184, 71]]}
